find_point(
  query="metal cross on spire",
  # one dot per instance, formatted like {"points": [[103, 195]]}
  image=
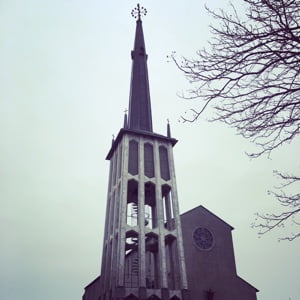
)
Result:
{"points": [[138, 11]]}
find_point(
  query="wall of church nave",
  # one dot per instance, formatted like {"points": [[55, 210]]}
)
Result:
{"points": [[92, 291], [209, 255]]}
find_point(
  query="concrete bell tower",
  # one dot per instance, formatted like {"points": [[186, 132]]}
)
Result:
{"points": [[142, 249]]}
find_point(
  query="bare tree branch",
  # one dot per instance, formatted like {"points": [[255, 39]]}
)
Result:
{"points": [[291, 208], [250, 75], [251, 72]]}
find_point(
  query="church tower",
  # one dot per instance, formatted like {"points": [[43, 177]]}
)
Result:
{"points": [[145, 236], [143, 254]]}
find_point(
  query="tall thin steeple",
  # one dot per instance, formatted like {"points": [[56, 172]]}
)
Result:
{"points": [[142, 247], [139, 117]]}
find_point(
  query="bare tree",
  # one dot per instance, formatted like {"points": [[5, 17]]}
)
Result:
{"points": [[291, 204], [250, 75]]}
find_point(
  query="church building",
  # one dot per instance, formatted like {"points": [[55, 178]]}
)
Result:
{"points": [[150, 250]]}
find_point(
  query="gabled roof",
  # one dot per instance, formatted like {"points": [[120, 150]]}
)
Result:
{"points": [[246, 282], [200, 207], [92, 282]]}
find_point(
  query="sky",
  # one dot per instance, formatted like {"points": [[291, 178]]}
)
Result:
{"points": [[64, 86]]}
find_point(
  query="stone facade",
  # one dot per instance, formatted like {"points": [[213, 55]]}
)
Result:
{"points": [[209, 257], [210, 262], [92, 291]]}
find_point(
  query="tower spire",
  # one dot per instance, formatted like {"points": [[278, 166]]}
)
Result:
{"points": [[139, 117]]}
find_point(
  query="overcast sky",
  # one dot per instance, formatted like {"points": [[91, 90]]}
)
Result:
{"points": [[64, 85]]}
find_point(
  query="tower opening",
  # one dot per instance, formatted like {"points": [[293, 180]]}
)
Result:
{"points": [[168, 207], [148, 160], [132, 203], [131, 276], [153, 297], [150, 206], [119, 161], [133, 159], [152, 261], [131, 297], [173, 271], [164, 163]]}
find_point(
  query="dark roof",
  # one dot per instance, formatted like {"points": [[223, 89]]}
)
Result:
{"points": [[204, 208], [139, 116], [91, 283], [247, 283]]}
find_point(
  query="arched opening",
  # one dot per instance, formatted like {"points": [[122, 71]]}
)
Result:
{"points": [[172, 259], [164, 163], [132, 203], [152, 261], [131, 297], [133, 158], [153, 297], [131, 278], [168, 207], [148, 160], [150, 205]]}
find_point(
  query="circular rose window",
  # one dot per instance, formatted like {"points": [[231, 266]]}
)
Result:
{"points": [[203, 238]]}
